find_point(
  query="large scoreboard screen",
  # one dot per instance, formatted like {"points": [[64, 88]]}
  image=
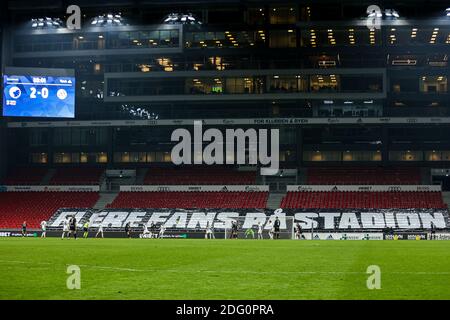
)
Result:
{"points": [[38, 96]]}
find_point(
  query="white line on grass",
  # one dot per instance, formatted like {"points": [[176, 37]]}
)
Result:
{"points": [[221, 271]]}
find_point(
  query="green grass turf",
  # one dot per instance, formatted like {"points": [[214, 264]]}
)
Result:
{"points": [[35, 268]]}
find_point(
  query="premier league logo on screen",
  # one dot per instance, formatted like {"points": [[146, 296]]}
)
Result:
{"points": [[39, 96]]}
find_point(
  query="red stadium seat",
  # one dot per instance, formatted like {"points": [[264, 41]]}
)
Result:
{"points": [[189, 200], [366, 176], [25, 176], [201, 175], [362, 200], [77, 176], [33, 207]]}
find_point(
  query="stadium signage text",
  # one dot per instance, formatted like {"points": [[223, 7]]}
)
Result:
{"points": [[406, 236], [343, 236], [221, 219], [200, 188], [49, 188], [235, 122], [441, 236], [364, 188]]}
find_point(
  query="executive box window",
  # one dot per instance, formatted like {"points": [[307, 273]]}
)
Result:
{"points": [[279, 84], [224, 85], [437, 155], [361, 156], [80, 157], [397, 36], [38, 137], [224, 39], [142, 39], [35, 43], [98, 41], [406, 155], [352, 36], [324, 83], [79, 136], [404, 85], [244, 85], [40, 158], [62, 157], [283, 14], [338, 156], [322, 156], [433, 84], [141, 157], [287, 156], [350, 108], [282, 38], [256, 16], [361, 83], [141, 87], [221, 16], [204, 86]]}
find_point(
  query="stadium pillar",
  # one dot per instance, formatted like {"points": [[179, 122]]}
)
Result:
{"points": [[50, 142], [110, 147], [299, 144], [384, 145]]}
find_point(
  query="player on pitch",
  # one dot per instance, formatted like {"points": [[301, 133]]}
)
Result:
{"points": [[44, 229]]}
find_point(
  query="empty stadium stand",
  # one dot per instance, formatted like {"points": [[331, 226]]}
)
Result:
{"points": [[363, 200], [77, 176], [190, 200], [198, 175], [33, 207], [25, 176], [373, 175]]}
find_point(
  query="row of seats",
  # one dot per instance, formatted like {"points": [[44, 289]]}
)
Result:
{"points": [[77, 176], [33, 207], [360, 200], [62, 176], [366, 176], [190, 200], [25, 176], [219, 175], [199, 175]]}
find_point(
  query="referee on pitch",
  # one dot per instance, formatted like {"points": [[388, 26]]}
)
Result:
{"points": [[276, 227]]}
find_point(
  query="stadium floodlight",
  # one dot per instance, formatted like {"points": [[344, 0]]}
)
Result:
{"points": [[387, 13], [46, 23], [391, 13], [108, 19], [181, 18]]}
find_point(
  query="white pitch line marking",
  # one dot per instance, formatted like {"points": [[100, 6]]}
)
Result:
{"points": [[223, 271]]}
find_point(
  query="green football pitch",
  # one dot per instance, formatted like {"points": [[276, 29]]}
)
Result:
{"points": [[35, 268]]}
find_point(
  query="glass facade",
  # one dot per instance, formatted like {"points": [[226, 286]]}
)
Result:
{"points": [[97, 41], [315, 61]]}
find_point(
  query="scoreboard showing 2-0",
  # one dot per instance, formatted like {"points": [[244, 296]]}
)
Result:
{"points": [[38, 96]]}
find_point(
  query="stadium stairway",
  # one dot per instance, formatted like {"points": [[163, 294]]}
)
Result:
{"points": [[48, 176], [425, 174], [274, 200], [141, 173], [446, 198], [105, 199], [302, 176]]}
